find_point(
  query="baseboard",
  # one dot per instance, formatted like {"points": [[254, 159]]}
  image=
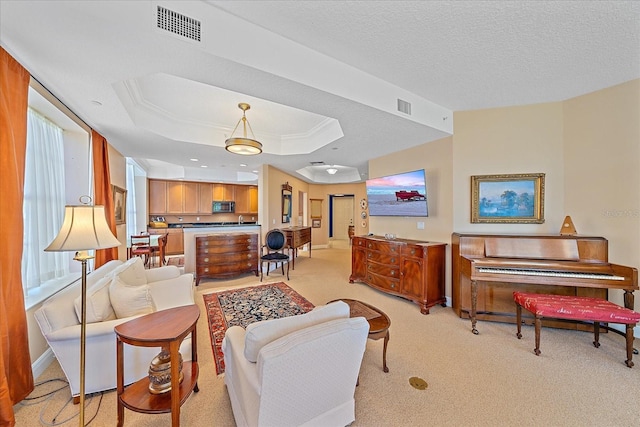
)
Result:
{"points": [[42, 363]]}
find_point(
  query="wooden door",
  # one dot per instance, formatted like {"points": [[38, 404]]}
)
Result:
{"points": [[205, 190], [175, 191], [253, 199], [157, 197], [242, 199], [190, 199], [175, 242]]}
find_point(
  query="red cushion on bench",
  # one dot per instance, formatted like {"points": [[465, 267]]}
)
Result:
{"points": [[575, 308]]}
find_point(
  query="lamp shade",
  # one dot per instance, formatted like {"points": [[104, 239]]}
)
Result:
{"points": [[84, 227]]}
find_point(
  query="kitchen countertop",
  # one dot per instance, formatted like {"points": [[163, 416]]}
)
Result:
{"points": [[210, 224]]}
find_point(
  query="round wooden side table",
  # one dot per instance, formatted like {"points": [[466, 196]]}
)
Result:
{"points": [[166, 329]]}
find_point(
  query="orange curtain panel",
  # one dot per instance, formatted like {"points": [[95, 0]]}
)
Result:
{"points": [[103, 192], [16, 378]]}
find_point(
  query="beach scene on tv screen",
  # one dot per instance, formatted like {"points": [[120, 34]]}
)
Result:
{"points": [[403, 194]]}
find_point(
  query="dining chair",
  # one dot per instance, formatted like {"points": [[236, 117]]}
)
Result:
{"points": [[273, 251], [161, 249], [141, 246]]}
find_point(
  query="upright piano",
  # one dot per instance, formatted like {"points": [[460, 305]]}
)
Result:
{"points": [[487, 268]]}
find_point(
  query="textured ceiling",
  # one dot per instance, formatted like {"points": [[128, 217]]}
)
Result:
{"points": [[337, 59]]}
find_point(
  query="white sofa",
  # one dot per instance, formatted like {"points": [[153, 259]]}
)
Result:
{"points": [[116, 293], [296, 371]]}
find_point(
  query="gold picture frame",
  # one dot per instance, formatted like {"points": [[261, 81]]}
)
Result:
{"points": [[315, 223], [514, 198], [119, 204]]}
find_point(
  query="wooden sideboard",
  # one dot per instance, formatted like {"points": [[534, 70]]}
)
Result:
{"points": [[296, 237], [225, 255], [411, 269]]}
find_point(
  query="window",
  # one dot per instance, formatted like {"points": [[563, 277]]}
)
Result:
{"points": [[57, 173]]}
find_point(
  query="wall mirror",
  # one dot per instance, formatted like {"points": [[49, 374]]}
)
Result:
{"points": [[286, 203], [316, 208]]}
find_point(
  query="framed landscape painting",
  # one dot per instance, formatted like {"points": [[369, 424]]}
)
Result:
{"points": [[517, 198]]}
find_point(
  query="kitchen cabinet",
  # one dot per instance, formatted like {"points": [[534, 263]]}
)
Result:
{"points": [[246, 198], [411, 269], [182, 197], [175, 239], [191, 198], [157, 197], [224, 192], [253, 199], [205, 192]]}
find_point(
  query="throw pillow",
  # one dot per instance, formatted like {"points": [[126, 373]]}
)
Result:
{"points": [[262, 333], [98, 306], [131, 272], [128, 300]]}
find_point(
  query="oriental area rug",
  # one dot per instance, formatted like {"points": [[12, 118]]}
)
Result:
{"points": [[243, 306]]}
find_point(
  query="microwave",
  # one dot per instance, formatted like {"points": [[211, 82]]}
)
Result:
{"points": [[223, 207]]}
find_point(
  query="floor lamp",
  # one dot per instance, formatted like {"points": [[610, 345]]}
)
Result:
{"points": [[84, 228]]}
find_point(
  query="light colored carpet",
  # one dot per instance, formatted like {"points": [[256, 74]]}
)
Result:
{"points": [[492, 379]]}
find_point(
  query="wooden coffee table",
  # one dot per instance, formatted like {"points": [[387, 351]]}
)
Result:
{"points": [[378, 323]]}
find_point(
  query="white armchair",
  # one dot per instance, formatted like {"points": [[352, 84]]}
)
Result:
{"points": [[116, 293], [295, 371]]}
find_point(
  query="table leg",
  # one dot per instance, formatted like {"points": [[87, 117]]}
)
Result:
{"points": [[384, 352], [119, 380], [474, 304], [175, 384]]}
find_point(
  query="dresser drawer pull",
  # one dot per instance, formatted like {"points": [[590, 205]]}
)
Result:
{"points": [[393, 260], [249, 256], [413, 251], [206, 260], [393, 272], [370, 245], [369, 255], [393, 285], [206, 270], [206, 251]]}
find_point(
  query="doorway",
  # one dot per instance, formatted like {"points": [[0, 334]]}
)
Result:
{"points": [[342, 208]]}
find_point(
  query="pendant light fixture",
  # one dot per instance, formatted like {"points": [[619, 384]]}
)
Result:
{"points": [[241, 144]]}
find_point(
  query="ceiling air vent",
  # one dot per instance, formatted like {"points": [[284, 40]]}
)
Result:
{"points": [[404, 106], [179, 24], [316, 163]]}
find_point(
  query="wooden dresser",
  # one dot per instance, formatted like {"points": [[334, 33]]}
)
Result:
{"points": [[296, 237], [410, 269], [226, 254]]}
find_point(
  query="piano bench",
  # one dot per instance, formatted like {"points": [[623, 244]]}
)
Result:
{"points": [[576, 308]]}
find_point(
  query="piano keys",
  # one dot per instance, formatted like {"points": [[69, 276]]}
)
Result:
{"points": [[488, 268]]}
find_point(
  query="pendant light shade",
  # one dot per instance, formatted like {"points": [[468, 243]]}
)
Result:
{"points": [[241, 144]]}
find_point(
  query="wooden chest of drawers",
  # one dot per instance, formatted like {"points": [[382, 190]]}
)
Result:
{"points": [[225, 255], [411, 269]]}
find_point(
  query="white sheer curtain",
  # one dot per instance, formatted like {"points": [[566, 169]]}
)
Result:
{"points": [[131, 200], [44, 201]]}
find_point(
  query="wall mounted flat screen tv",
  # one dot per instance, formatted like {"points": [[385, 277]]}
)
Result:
{"points": [[403, 194]]}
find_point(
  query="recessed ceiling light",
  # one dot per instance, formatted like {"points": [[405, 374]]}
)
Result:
{"points": [[194, 160], [243, 165], [204, 166], [96, 103], [254, 171]]}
